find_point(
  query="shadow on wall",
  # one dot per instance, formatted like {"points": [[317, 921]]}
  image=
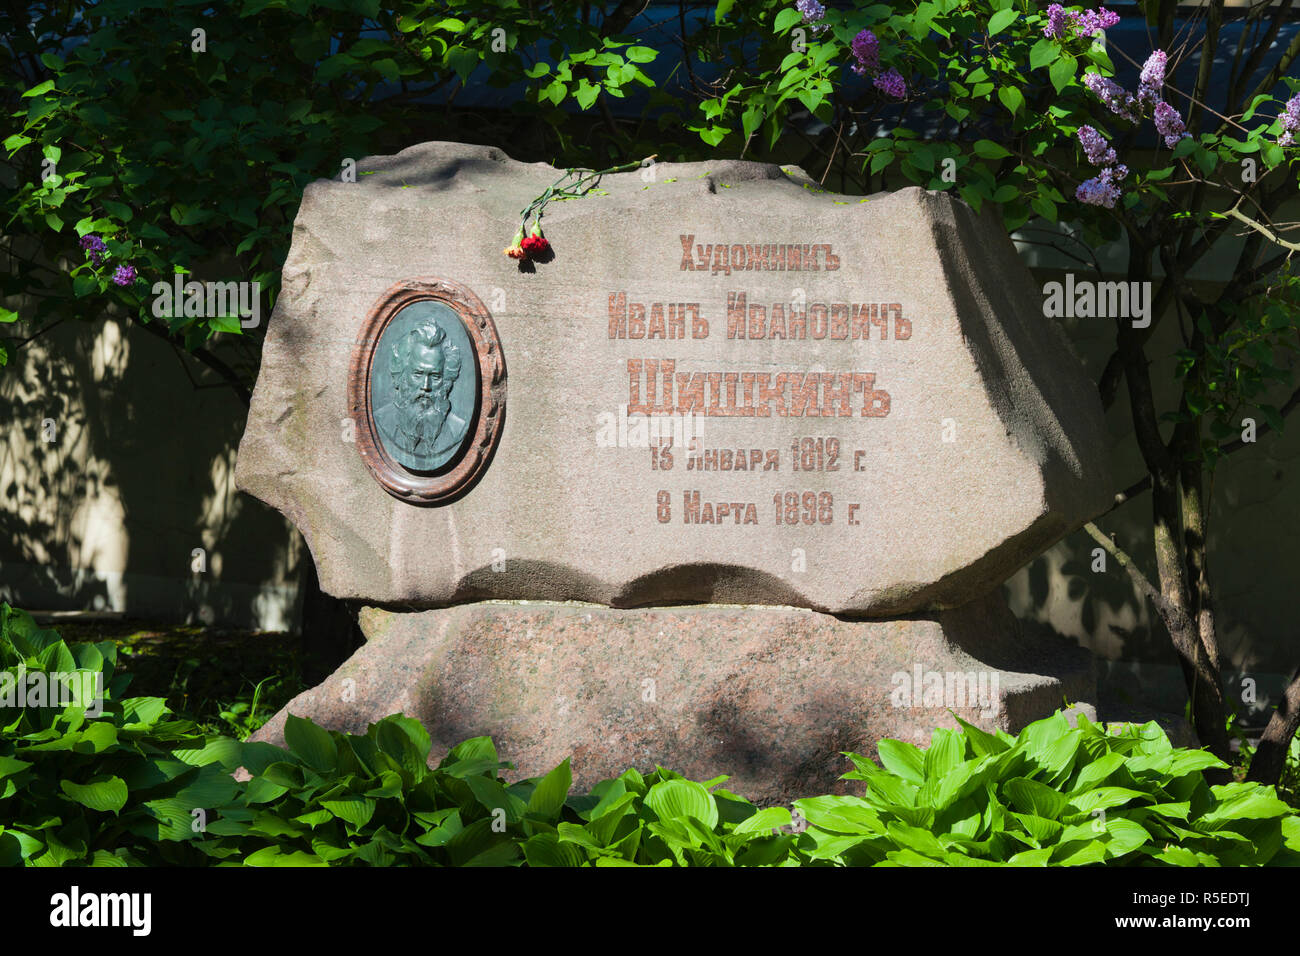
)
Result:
{"points": [[118, 486], [1253, 522]]}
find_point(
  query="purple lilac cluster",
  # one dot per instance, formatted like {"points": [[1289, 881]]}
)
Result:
{"points": [[813, 13], [866, 53], [1151, 81], [891, 84], [1102, 189], [1290, 121], [866, 61], [1169, 124], [96, 251], [1117, 99], [1061, 23], [1095, 147]]}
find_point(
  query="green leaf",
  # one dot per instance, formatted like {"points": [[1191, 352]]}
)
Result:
{"points": [[987, 149], [764, 821], [945, 753], [551, 792], [724, 7], [1030, 796], [312, 743], [39, 89], [351, 809], [1062, 72], [1002, 19], [103, 793], [675, 799], [1104, 798], [1044, 207], [274, 856], [586, 93], [546, 849], [902, 759], [786, 19], [641, 54], [1255, 104], [1243, 801], [1012, 98], [463, 62], [1043, 53]]}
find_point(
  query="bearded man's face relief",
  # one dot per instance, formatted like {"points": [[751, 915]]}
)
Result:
{"points": [[422, 394], [419, 423]]}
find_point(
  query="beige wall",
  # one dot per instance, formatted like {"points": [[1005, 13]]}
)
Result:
{"points": [[1254, 524], [140, 474]]}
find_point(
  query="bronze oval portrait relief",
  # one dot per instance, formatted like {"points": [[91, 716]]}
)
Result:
{"points": [[427, 390]]}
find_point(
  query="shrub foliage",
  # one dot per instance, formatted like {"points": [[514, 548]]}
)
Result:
{"points": [[123, 781]]}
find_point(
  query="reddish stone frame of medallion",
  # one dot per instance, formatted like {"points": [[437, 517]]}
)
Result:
{"points": [[393, 477]]}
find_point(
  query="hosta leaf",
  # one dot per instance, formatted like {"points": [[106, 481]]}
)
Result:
{"points": [[551, 792], [764, 821], [676, 799], [310, 742], [352, 809], [946, 752], [274, 856], [1031, 857], [1094, 773], [840, 814], [1030, 796], [546, 849], [1243, 801], [903, 759], [1104, 798], [103, 793]]}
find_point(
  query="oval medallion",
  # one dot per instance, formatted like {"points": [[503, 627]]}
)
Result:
{"points": [[427, 389]]}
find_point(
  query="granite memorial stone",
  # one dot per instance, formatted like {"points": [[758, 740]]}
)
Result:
{"points": [[728, 387]]}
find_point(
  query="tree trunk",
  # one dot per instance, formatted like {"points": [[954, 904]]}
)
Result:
{"points": [[1176, 605], [1270, 755], [1199, 672]]}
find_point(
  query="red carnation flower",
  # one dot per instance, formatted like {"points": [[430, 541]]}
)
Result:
{"points": [[536, 246]]}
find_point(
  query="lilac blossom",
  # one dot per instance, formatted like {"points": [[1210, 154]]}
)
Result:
{"points": [[1169, 124], [1101, 190], [866, 50], [95, 249], [124, 275], [1153, 70], [1061, 24], [1095, 147], [1290, 121], [1091, 22], [891, 84], [1117, 99], [1057, 22], [813, 13]]}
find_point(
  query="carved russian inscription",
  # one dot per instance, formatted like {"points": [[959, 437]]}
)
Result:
{"points": [[724, 388]]}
